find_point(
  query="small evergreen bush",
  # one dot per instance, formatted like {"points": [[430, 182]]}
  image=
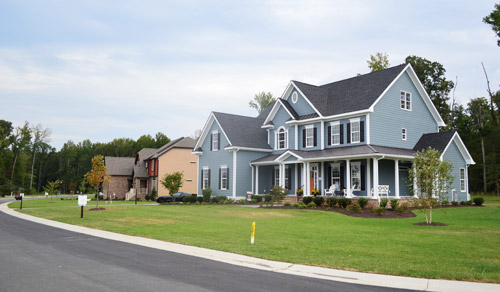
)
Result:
{"points": [[344, 202], [199, 199], [394, 204], [469, 203], [287, 204], [207, 194], [307, 200], [445, 203], [331, 202], [379, 210], [311, 205], [478, 201], [220, 199], [355, 208], [383, 203], [301, 205], [362, 202], [318, 201], [402, 208], [454, 203], [296, 205]]}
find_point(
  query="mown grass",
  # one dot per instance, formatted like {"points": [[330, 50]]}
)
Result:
{"points": [[465, 249], [68, 202]]}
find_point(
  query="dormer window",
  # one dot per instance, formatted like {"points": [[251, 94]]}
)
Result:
{"points": [[215, 141], [405, 100], [281, 139]]}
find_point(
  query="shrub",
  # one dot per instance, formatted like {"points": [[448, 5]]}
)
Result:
{"points": [[394, 204], [199, 199], [362, 202], [463, 203], [146, 197], [454, 203], [268, 198], [307, 200], [287, 204], [378, 210], [311, 205], [278, 193], [153, 195], [445, 203], [355, 208], [190, 199], [331, 202], [383, 203], [261, 204], [207, 194], [220, 199], [318, 201], [296, 205], [478, 201], [242, 201], [469, 203], [402, 208], [344, 202], [301, 205]]}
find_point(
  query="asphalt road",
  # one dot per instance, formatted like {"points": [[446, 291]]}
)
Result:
{"points": [[35, 257]]}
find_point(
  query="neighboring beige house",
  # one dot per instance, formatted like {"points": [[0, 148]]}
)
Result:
{"points": [[174, 156], [120, 170]]}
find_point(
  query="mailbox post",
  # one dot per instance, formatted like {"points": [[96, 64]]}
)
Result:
{"points": [[82, 202]]}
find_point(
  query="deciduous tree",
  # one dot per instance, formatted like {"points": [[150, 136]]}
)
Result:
{"points": [[494, 20], [173, 182], [378, 62], [98, 175], [261, 101]]}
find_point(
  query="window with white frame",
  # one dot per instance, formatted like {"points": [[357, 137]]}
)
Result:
{"points": [[276, 176], [462, 180], [205, 178], [215, 140], [403, 134], [355, 131], [223, 177], [336, 176], [335, 138], [356, 176], [281, 139], [405, 100], [309, 136], [295, 97]]}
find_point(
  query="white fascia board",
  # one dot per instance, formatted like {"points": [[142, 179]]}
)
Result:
{"points": [[356, 157], [232, 148], [205, 131], [197, 153], [272, 113], [287, 154], [461, 147], [388, 87], [423, 93], [289, 89], [328, 118], [267, 127]]}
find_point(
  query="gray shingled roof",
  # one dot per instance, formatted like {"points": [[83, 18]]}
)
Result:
{"points": [[348, 95], [182, 142], [344, 152], [438, 141], [290, 109], [263, 115], [140, 170], [120, 166], [243, 131]]}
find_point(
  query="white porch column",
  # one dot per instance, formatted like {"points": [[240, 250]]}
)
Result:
{"points": [[322, 135], [415, 191], [296, 176], [348, 177], [234, 174], [304, 177], [257, 180], [296, 137], [321, 181], [307, 191], [375, 177], [282, 174], [467, 181], [368, 177], [396, 177], [253, 179]]}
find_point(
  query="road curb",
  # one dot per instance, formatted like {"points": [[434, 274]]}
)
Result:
{"points": [[272, 266]]}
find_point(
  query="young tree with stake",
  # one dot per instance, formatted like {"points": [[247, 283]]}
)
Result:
{"points": [[97, 176]]}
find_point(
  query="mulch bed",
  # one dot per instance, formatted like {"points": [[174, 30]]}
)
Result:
{"points": [[365, 213], [97, 209], [432, 224]]}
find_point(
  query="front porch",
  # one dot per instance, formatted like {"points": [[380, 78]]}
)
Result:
{"points": [[355, 176]]}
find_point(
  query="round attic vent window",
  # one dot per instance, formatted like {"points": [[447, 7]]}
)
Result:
{"points": [[295, 96]]}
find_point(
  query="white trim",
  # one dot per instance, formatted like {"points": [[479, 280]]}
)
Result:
{"points": [[216, 132], [234, 174], [295, 173], [368, 178], [334, 124], [396, 177], [467, 181], [257, 179], [367, 128], [207, 127], [284, 156], [253, 179], [296, 137], [322, 135], [276, 140], [460, 179], [461, 147], [348, 177], [404, 134], [289, 89], [309, 127], [276, 177], [326, 119], [247, 149], [405, 106], [295, 97], [352, 121]]}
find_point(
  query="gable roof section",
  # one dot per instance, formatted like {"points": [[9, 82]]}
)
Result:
{"points": [[441, 142], [266, 112], [182, 142], [119, 166], [243, 131], [350, 95], [276, 106]]}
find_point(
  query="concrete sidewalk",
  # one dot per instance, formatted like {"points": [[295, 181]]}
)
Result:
{"points": [[273, 266]]}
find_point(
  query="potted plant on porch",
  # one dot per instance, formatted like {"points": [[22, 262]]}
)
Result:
{"points": [[299, 192], [314, 192]]}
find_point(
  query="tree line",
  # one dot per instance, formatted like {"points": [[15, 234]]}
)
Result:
{"points": [[28, 161]]}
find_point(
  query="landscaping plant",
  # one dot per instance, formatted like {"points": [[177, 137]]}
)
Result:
{"points": [[278, 193], [307, 200], [207, 194], [383, 203], [362, 202], [173, 182], [478, 201], [98, 175], [394, 204], [318, 201]]}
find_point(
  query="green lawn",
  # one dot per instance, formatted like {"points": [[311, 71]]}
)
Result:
{"points": [[466, 249], [69, 201]]}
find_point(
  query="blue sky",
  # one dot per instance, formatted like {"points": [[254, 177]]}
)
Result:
{"points": [[108, 69]]}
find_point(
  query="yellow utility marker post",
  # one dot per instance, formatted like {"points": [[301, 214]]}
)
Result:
{"points": [[252, 239]]}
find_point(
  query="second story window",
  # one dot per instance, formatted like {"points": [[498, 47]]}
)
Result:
{"points": [[335, 137], [403, 134], [310, 137], [215, 141], [405, 100], [355, 131], [281, 139]]}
